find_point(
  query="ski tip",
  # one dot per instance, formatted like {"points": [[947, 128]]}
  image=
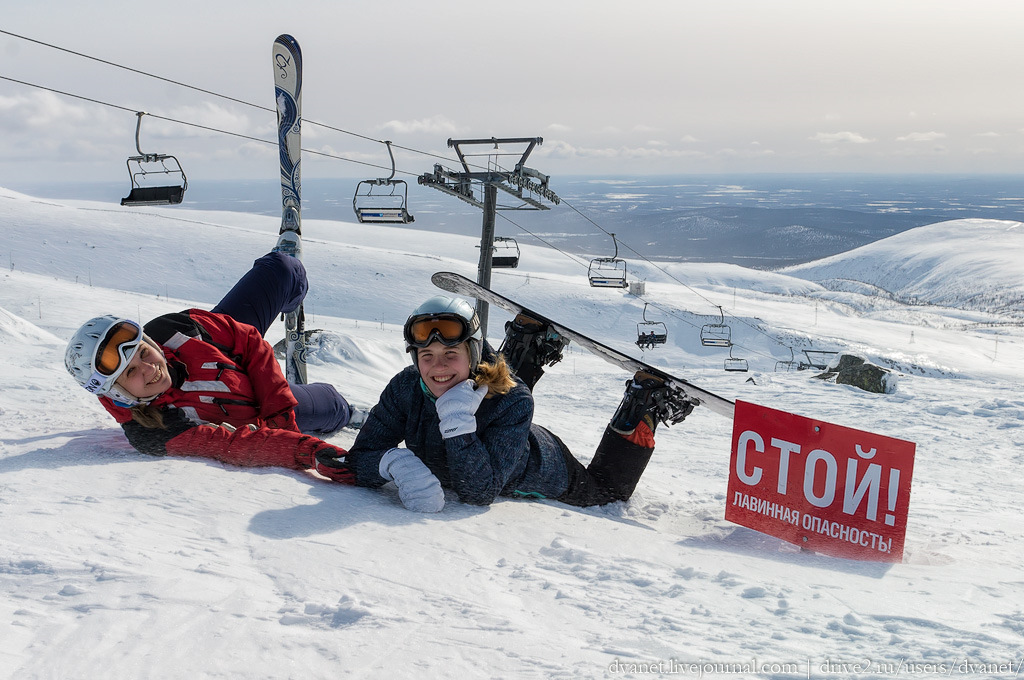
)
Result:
{"points": [[290, 44]]}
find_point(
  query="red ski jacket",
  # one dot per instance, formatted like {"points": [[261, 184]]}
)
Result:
{"points": [[229, 399]]}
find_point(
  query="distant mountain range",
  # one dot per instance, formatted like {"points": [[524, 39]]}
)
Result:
{"points": [[763, 222], [763, 238]]}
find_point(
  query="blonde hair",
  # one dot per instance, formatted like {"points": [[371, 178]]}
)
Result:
{"points": [[496, 376], [148, 416]]}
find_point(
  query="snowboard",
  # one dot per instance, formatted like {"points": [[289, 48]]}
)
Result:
{"points": [[456, 283], [288, 95]]}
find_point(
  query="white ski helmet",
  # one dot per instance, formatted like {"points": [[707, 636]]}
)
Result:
{"points": [[99, 352], [427, 324]]}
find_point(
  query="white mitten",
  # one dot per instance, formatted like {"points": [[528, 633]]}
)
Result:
{"points": [[418, 488], [457, 408]]}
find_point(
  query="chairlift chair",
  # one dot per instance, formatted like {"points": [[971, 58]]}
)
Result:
{"points": [[817, 358], [786, 365], [650, 334], [736, 364], [716, 334], [386, 206], [145, 164], [608, 272], [505, 254]]}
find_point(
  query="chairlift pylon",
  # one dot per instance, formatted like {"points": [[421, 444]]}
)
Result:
{"points": [[144, 165], [650, 334], [608, 272], [387, 206], [736, 364], [505, 254], [716, 334]]}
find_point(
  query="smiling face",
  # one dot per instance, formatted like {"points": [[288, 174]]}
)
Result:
{"points": [[441, 367], [146, 375]]}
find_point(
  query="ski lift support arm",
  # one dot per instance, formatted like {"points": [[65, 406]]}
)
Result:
{"points": [[530, 141], [148, 157], [515, 182], [386, 180]]}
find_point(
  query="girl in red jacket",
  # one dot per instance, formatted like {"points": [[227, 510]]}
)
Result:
{"points": [[198, 383]]}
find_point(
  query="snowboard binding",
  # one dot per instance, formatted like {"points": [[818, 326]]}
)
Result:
{"points": [[531, 345], [649, 399]]}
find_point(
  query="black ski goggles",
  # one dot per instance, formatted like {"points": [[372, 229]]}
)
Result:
{"points": [[117, 348], [448, 329]]}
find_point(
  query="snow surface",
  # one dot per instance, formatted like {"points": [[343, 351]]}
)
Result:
{"points": [[116, 565]]}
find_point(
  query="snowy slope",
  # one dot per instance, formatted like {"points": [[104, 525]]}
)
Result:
{"points": [[971, 264], [117, 565]]}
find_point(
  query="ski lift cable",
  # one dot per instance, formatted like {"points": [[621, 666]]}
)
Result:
{"points": [[191, 124], [311, 151], [572, 257], [250, 104], [239, 135], [583, 264], [666, 273], [236, 134], [695, 292], [374, 165], [639, 255], [223, 96], [217, 130]]}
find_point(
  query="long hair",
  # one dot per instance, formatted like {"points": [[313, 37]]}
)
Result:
{"points": [[148, 416], [495, 375]]}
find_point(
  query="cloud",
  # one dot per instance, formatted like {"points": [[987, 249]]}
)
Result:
{"points": [[47, 111], [207, 114], [555, 149], [433, 125], [846, 137], [747, 153], [650, 151], [921, 137], [41, 126]]}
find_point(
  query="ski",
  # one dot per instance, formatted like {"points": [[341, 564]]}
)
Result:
{"points": [[456, 283], [288, 95]]}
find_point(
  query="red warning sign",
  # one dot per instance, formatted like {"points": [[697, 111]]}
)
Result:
{"points": [[831, 489]]}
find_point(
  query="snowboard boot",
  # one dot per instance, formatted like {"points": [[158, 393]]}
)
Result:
{"points": [[530, 345], [650, 400]]}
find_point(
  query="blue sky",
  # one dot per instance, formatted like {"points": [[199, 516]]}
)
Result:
{"points": [[649, 87]]}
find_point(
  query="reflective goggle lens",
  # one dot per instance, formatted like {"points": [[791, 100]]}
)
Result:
{"points": [[449, 331], [119, 342]]}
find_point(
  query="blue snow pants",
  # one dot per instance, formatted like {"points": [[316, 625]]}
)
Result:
{"points": [[277, 284]]}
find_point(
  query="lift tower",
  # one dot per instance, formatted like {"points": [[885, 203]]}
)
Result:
{"points": [[479, 187]]}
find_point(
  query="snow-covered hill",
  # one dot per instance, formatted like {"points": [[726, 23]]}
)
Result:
{"points": [[117, 565], [969, 264]]}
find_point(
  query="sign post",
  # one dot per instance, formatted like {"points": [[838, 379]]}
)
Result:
{"points": [[827, 488]]}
